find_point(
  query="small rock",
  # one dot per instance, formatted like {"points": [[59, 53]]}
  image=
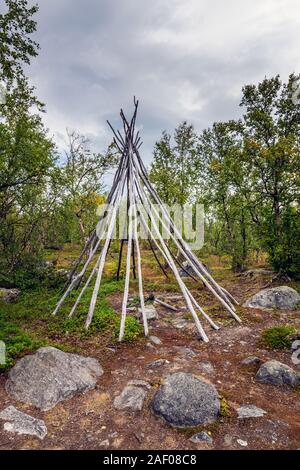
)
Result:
{"points": [[276, 373], [104, 443], [242, 443], [180, 324], [201, 437], [131, 398], [158, 363], [251, 360], [206, 367], [22, 423], [139, 383], [250, 411], [150, 311], [139, 436], [186, 401], [155, 340], [8, 295], [258, 272], [62, 273], [188, 269], [283, 298], [46, 264], [185, 351]]}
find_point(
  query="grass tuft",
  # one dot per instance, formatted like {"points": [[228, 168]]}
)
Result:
{"points": [[277, 337]]}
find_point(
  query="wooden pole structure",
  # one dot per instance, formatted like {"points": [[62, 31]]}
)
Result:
{"points": [[131, 177]]}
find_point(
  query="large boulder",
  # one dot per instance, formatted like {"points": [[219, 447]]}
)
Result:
{"points": [[22, 423], [276, 373], [8, 295], [283, 298], [186, 401], [50, 376]]}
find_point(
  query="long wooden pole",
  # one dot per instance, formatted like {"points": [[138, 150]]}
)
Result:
{"points": [[227, 305]]}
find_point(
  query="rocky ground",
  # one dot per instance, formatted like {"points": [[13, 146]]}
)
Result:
{"points": [[98, 420]]}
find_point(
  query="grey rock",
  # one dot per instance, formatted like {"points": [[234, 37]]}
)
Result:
{"points": [[186, 401], [282, 298], [201, 437], [8, 295], [180, 323], [131, 398], [258, 272], [189, 270], [242, 443], [62, 273], [139, 383], [50, 376], [157, 363], [46, 264], [104, 443], [21, 423], [276, 373], [206, 367], [185, 351], [150, 311], [250, 411], [251, 361], [155, 340]]}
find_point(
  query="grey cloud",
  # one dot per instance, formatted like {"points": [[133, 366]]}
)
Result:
{"points": [[183, 60]]}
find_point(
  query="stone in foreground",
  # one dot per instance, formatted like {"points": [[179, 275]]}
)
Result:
{"points": [[131, 398], [151, 313], [282, 298], [50, 376], [21, 423], [250, 411], [276, 373], [186, 401]]}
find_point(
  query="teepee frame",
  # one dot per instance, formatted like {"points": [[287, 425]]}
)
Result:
{"points": [[131, 177]]}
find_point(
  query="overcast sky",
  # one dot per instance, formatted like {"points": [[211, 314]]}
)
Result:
{"points": [[183, 59]]}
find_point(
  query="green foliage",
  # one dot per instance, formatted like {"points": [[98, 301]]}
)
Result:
{"points": [[283, 244], [17, 342], [246, 173], [27, 323], [16, 46], [75, 214], [277, 337], [132, 329], [174, 166]]}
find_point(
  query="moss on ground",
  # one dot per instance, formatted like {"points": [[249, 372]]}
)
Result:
{"points": [[277, 337]]}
